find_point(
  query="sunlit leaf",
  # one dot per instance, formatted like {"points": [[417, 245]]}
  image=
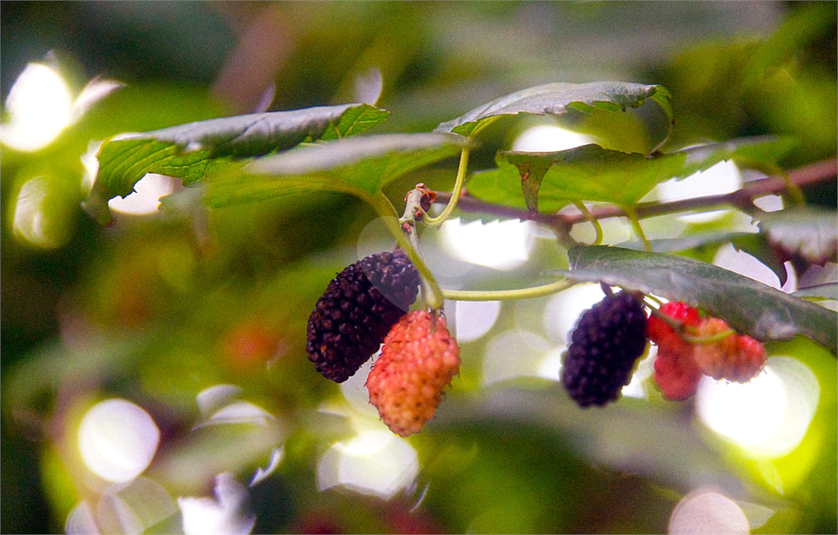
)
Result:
{"points": [[747, 305], [587, 173], [752, 152], [557, 98], [593, 173], [194, 150], [360, 166], [806, 231]]}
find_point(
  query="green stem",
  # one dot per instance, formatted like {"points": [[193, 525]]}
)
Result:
{"points": [[502, 295], [591, 219], [455, 193], [681, 330], [707, 339], [432, 293], [631, 213]]}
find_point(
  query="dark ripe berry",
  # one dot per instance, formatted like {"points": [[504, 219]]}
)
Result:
{"points": [[357, 310], [607, 340]]}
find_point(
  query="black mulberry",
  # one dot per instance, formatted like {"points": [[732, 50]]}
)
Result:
{"points": [[607, 340], [357, 311]]}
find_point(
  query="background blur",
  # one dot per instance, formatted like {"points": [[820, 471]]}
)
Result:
{"points": [[154, 374]]}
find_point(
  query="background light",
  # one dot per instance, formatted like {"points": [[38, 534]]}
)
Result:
{"points": [[704, 512], [518, 353], [117, 440], [146, 196], [499, 244], [473, 319], [549, 138], [224, 515], [372, 462], [768, 416], [40, 106], [724, 177]]}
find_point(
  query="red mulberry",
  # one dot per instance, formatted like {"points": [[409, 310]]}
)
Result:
{"points": [[418, 360]]}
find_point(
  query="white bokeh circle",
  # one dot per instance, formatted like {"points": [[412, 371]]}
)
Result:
{"points": [[118, 440]]}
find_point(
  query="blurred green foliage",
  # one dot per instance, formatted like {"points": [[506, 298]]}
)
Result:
{"points": [[157, 308]]}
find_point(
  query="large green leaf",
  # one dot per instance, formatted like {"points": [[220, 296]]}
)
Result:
{"points": [[557, 98], [551, 180], [752, 243], [360, 166], [747, 305], [194, 150]]}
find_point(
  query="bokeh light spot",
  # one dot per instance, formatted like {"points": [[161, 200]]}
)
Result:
{"points": [[40, 106], [473, 319], [117, 439], [146, 196], [372, 462], [724, 177], [549, 138], [704, 512], [500, 245], [225, 514], [768, 416], [40, 217], [517, 353]]}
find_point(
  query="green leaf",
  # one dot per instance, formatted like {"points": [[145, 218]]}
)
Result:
{"points": [[758, 152], [557, 98], [809, 232], [192, 151], [752, 243], [361, 166], [586, 173], [747, 305], [593, 173]]}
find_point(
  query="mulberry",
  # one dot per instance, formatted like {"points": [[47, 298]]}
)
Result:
{"points": [[736, 357], [607, 340], [357, 310], [418, 360], [676, 373]]}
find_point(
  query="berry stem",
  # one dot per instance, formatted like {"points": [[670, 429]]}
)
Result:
{"points": [[631, 214], [591, 219], [502, 295], [681, 330], [404, 231], [707, 339], [455, 193]]}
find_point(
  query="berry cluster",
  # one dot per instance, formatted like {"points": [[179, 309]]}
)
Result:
{"points": [[610, 337], [366, 304], [713, 350]]}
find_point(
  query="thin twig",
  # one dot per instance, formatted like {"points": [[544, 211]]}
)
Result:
{"points": [[742, 198]]}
